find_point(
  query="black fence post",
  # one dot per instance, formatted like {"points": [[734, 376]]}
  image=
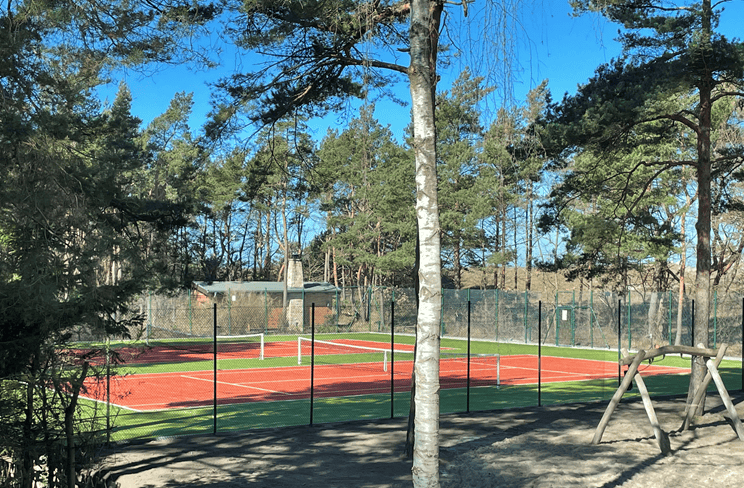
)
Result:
{"points": [[214, 348], [467, 394], [539, 353], [692, 329], [108, 391], [312, 360], [392, 356], [619, 343]]}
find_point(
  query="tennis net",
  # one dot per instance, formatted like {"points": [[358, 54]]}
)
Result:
{"points": [[457, 367], [362, 353], [239, 344], [452, 365]]}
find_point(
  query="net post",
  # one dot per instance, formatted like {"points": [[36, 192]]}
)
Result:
{"points": [[384, 361], [262, 346], [498, 370], [299, 350]]}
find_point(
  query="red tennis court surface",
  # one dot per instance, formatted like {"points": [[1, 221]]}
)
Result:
{"points": [[196, 389]]}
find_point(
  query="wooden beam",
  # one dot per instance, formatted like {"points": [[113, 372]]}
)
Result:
{"points": [[713, 370], [661, 436], [617, 396], [692, 407], [664, 350]]}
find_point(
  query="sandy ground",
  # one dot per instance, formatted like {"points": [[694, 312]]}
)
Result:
{"points": [[537, 447]]}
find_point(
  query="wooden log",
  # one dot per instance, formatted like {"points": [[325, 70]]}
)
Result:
{"points": [[663, 350], [713, 370], [692, 407], [617, 396], [661, 436]]}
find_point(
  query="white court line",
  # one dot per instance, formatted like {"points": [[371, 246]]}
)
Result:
{"points": [[674, 370], [234, 384], [103, 402], [558, 371]]}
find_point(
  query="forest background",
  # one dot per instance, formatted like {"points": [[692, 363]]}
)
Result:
{"points": [[313, 169]]}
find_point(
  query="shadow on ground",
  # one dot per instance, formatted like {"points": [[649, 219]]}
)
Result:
{"points": [[549, 446]]}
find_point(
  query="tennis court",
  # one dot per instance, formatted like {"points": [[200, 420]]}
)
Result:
{"points": [[344, 368]]}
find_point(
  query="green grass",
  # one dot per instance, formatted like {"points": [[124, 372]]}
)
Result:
{"points": [[142, 425], [246, 416]]}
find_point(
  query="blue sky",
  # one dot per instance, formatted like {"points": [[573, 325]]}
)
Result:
{"points": [[550, 44]]}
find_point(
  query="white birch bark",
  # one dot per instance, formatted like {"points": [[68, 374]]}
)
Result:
{"points": [[421, 73]]}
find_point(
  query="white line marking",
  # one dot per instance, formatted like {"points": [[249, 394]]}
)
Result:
{"points": [[234, 384], [103, 402]]}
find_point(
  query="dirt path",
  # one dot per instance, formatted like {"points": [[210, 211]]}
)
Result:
{"points": [[536, 447]]}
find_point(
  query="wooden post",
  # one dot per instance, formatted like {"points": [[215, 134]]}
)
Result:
{"points": [[617, 396], [713, 370], [661, 436], [692, 407]]}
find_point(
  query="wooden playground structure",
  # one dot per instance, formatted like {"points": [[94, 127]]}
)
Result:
{"points": [[714, 358]]}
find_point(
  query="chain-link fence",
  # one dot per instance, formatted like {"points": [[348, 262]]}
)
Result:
{"points": [[200, 366]]}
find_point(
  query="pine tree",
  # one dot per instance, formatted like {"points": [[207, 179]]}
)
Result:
{"points": [[67, 209], [462, 183], [670, 50], [362, 185]]}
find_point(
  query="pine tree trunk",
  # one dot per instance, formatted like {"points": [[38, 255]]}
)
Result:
{"points": [[702, 271]]}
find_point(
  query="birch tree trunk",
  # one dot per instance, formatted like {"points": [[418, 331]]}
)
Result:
{"points": [[425, 17]]}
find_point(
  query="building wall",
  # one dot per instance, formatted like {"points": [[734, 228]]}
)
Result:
{"points": [[325, 312]]}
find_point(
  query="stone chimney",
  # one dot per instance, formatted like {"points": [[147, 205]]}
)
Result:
{"points": [[294, 272], [295, 280]]}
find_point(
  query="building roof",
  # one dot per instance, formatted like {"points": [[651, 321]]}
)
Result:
{"points": [[222, 287]]}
